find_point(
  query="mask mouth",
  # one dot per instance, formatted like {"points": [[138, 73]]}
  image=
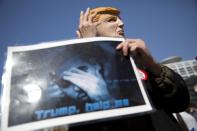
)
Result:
{"points": [[121, 32]]}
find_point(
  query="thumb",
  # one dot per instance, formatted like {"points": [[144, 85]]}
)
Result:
{"points": [[78, 34]]}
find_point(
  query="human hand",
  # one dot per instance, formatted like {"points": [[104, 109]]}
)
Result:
{"points": [[86, 27], [93, 84], [140, 53]]}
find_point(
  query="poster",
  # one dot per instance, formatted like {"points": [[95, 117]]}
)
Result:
{"points": [[68, 82]]}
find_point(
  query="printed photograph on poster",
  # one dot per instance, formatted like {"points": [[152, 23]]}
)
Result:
{"points": [[68, 82]]}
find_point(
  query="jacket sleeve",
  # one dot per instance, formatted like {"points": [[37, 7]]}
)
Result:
{"points": [[169, 91]]}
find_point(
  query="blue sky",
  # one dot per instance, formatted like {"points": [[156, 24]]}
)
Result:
{"points": [[169, 27]]}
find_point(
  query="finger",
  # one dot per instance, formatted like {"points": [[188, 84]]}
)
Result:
{"points": [[125, 48], [119, 46], [132, 46], [91, 16], [72, 72], [86, 14], [81, 19], [133, 51], [139, 52], [73, 80], [70, 76], [78, 71], [78, 34], [80, 82]]}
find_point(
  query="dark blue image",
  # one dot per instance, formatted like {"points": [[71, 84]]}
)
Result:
{"points": [[69, 80]]}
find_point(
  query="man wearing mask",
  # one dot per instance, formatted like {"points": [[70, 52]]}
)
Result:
{"points": [[168, 91]]}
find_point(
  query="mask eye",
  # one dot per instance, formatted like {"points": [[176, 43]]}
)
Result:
{"points": [[112, 19]]}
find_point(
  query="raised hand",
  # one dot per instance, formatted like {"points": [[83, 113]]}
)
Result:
{"points": [[87, 28], [92, 83], [140, 53]]}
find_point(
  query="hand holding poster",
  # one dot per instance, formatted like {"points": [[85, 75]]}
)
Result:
{"points": [[69, 82]]}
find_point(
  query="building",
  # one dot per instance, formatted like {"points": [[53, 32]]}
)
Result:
{"points": [[188, 70]]}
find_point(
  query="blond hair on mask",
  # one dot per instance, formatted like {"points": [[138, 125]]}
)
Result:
{"points": [[101, 11]]}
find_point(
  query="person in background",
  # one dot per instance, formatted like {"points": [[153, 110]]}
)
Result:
{"points": [[168, 91]]}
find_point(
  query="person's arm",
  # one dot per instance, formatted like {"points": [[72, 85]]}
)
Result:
{"points": [[169, 90]]}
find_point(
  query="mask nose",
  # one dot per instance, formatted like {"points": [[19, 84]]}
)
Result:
{"points": [[120, 23]]}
